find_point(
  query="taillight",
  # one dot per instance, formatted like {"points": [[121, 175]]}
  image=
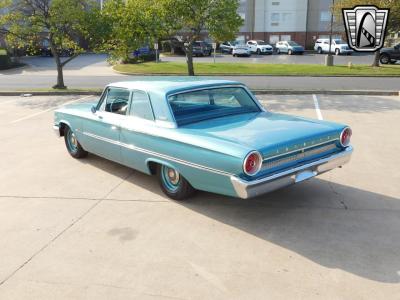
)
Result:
{"points": [[252, 163], [345, 137]]}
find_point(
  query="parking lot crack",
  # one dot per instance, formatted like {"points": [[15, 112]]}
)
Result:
{"points": [[341, 197]]}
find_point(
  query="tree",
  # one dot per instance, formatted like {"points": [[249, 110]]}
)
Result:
{"points": [[393, 24], [61, 22], [129, 24], [193, 17]]}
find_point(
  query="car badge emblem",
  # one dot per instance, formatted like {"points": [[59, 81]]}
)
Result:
{"points": [[365, 27]]}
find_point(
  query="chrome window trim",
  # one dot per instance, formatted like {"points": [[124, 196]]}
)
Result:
{"points": [[106, 91], [255, 100], [167, 157], [148, 98]]}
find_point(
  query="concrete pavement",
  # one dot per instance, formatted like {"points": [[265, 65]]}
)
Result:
{"points": [[93, 229]]}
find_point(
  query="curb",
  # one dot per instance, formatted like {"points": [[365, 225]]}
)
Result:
{"points": [[255, 91], [251, 75]]}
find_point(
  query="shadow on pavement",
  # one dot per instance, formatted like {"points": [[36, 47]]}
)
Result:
{"points": [[333, 225]]}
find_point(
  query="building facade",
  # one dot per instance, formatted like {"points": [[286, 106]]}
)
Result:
{"points": [[302, 21]]}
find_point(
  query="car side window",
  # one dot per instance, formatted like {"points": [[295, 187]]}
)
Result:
{"points": [[115, 101], [141, 106]]}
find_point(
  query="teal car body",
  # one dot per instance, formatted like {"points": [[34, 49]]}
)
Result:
{"points": [[211, 151]]}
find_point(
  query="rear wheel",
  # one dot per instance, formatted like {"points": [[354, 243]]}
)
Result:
{"points": [[290, 52], [278, 51], [384, 59], [71, 142], [319, 50], [173, 184], [258, 51], [337, 51]]}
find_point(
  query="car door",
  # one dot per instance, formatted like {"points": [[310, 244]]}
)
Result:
{"points": [[285, 47], [137, 131], [325, 46], [102, 129], [252, 46]]}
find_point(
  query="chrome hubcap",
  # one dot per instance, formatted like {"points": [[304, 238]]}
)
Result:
{"points": [[173, 176]]}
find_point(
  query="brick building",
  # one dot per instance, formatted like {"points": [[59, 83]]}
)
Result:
{"points": [[302, 21]]}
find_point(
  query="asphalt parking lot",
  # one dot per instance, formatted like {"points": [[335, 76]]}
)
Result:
{"points": [[93, 229]]}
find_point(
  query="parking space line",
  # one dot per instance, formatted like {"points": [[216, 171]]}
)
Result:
{"points": [[317, 109], [47, 110]]}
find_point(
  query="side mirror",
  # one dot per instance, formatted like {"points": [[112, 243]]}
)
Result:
{"points": [[93, 109]]}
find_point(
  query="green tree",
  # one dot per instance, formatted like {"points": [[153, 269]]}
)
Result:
{"points": [[129, 24], [393, 24], [61, 22], [193, 17]]}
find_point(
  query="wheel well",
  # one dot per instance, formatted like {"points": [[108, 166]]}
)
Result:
{"points": [[153, 167], [62, 128]]}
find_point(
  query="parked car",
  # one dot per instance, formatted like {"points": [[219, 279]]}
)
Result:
{"points": [[289, 47], [241, 50], [197, 134], [260, 47], [201, 48], [227, 47], [390, 55], [338, 47]]}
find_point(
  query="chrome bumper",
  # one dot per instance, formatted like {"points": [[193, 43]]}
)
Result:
{"points": [[247, 189], [56, 129]]}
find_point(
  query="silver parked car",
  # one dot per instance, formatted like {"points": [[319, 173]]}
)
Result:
{"points": [[241, 50]]}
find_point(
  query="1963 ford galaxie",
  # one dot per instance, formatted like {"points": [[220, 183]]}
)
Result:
{"points": [[210, 135]]}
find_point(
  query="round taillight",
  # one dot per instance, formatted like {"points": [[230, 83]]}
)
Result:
{"points": [[252, 163], [345, 137]]}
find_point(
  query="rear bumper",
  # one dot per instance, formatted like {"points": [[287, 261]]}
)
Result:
{"points": [[247, 189]]}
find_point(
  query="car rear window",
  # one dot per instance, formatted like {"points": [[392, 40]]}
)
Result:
{"points": [[196, 106]]}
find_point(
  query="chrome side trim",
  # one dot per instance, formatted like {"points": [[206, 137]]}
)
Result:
{"points": [[164, 156], [247, 189]]}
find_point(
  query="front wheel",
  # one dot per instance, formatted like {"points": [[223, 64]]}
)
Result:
{"points": [[278, 51], [319, 50], [290, 52], [258, 51], [71, 142], [173, 184], [337, 51]]}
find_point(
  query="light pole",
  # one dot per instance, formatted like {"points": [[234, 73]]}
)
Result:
{"points": [[329, 57]]}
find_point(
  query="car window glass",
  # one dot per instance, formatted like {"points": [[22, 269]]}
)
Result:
{"points": [[195, 106], [116, 101], [141, 106]]}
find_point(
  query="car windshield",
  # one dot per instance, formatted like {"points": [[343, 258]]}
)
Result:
{"points": [[196, 106], [261, 43], [340, 42], [291, 43]]}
